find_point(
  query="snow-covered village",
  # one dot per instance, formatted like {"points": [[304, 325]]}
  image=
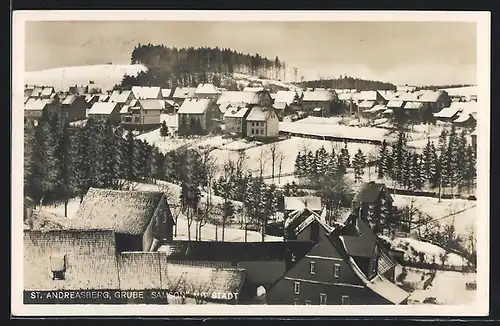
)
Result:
{"points": [[207, 169]]}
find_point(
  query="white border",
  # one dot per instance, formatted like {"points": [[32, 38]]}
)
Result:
{"points": [[479, 308]]}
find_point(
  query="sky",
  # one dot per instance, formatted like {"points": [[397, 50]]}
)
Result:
{"points": [[417, 53]]}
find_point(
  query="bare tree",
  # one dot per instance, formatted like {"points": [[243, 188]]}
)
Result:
{"points": [[371, 156], [176, 287], [274, 153], [206, 209], [281, 157], [262, 161]]}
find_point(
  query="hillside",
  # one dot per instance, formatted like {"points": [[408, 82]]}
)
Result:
{"points": [[103, 76], [345, 82]]}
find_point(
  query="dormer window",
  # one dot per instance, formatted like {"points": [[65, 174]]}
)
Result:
{"points": [[58, 267]]}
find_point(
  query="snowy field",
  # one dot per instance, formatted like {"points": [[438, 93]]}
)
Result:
{"points": [[464, 211], [104, 76], [448, 288], [244, 80], [170, 120], [329, 130]]}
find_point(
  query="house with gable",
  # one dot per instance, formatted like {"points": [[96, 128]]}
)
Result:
{"points": [[121, 97], [292, 204], [368, 99], [206, 90], [235, 120], [244, 99], [198, 116], [105, 110], [79, 90], [147, 93], [283, 101], [321, 99], [74, 107], [347, 266], [182, 93], [305, 225], [374, 203], [34, 108], [137, 217], [141, 113], [262, 122]]}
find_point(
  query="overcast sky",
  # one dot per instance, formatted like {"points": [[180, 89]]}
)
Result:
{"points": [[398, 52]]}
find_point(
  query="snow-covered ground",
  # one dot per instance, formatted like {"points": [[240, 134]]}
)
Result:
{"points": [[447, 287], [431, 251], [461, 91], [463, 212], [329, 130], [103, 76], [170, 120], [244, 80], [168, 143]]}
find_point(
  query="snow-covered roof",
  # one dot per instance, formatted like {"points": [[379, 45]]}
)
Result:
{"points": [[413, 106], [474, 133], [150, 104], [387, 289], [102, 108], [36, 104], [127, 212], [47, 91], [279, 105], [235, 112], [170, 102], [395, 104], [312, 218], [206, 89], [146, 92], [463, 117], [285, 97], [376, 108], [194, 106], [388, 111], [184, 92], [340, 131], [259, 114], [449, 111], [119, 96], [367, 95], [238, 97], [427, 96], [165, 92], [68, 100], [366, 104], [318, 96], [253, 89]]}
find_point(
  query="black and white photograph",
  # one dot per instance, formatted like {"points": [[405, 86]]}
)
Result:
{"points": [[173, 162]]}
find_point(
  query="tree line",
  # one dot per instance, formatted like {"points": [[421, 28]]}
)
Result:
{"points": [[451, 163], [348, 82], [176, 67]]}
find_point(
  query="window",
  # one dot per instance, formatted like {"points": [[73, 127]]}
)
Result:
{"points": [[252, 131], [295, 302], [308, 302], [345, 300], [253, 124], [312, 267], [336, 270], [322, 298], [262, 131], [296, 287]]}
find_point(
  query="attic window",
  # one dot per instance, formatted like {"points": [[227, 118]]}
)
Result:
{"points": [[58, 267], [296, 287], [312, 267], [336, 270]]}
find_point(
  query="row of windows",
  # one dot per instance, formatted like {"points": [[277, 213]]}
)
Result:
{"points": [[323, 300], [256, 131], [336, 269], [257, 123]]}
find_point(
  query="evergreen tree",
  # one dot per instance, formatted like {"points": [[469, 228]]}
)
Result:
{"points": [[443, 157], [452, 157], [461, 160], [299, 165], [382, 160], [164, 130], [310, 164], [359, 163], [434, 159], [427, 160], [471, 167], [417, 178], [44, 169], [405, 170], [29, 144]]}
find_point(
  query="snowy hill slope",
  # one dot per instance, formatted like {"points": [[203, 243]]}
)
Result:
{"points": [[244, 80], [104, 76]]}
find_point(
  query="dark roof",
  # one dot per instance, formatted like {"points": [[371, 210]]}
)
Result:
{"points": [[127, 212], [369, 192], [90, 259], [235, 251], [358, 238]]}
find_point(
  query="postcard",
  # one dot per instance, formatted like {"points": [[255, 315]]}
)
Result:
{"points": [[176, 163]]}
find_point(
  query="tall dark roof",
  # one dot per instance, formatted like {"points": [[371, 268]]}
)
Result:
{"points": [[369, 192], [358, 238], [235, 251], [127, 212]]}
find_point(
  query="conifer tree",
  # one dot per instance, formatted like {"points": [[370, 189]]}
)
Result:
{"points": [[427, 159], [461, 160], [471, 167], [29, 144], [44, 170], [164, 130], [359, 163], [382, 160]]}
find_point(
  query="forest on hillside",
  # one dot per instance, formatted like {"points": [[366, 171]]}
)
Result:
{"points": [[437, 87], [347, 82], [171, 66]]}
